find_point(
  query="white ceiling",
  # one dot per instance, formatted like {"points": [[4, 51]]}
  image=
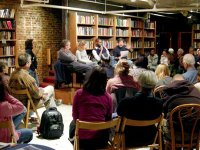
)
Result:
{"points": [[159, 3]]}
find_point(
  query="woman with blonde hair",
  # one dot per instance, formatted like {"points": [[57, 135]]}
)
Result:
{"points": [[121, 78], [163, 74]]}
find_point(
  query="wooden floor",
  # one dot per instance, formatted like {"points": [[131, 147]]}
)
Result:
{"points": [[67, 94]]}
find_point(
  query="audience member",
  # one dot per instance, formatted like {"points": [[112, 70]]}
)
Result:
{"points": [[179, 91], [3, 74], [100, 53], [152, 60], [197, 85], [67, 57], [121, 78], [81, 53], [164, 58], [191, 72], [178, 63], [191, 50], [142, 106], [33, 68], [139, 66], [163, 74], [93, 104], [20, 79], [11, 107]]}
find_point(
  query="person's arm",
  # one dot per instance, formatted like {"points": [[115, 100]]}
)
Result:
{"points": [[96, 56], [75, 106], [107, 56], [66, 56], [108, 87], [155, 61], [81, 60], [11, 106]]}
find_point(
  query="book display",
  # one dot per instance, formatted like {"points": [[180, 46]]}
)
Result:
{"points": [[195, 35], [7, 38], [139, 34]]}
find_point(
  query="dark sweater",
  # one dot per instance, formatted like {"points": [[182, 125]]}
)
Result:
{"points": [[33, 59]]}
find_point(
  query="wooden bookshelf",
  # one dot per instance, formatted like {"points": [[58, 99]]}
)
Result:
{"points": [[138, 34], [8, 38], [195, 35]]}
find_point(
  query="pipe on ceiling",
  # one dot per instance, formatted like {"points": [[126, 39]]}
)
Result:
{"points": [[38, 1], [75, 9]]}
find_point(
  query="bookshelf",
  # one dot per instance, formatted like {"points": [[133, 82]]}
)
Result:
{"points": [[195, 35], [8, 38], [138, 34]]}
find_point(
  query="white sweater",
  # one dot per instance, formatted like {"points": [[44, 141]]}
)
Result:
{"points": [[82, 57]]}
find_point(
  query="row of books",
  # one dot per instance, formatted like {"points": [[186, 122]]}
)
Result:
{"points": [[108, 44], [85, 19], [8, 61], [85, 31], [197, 35], [122, 22], [7, 50], [137, 33], [7, 13], [8, 35], [120, 32], [196, 26], [195, 44], [9, 24], [89, 43], [149, 25], [148, 34], [136, 44], [133, 55], [149, 44], [106, 21], [105, 31], [136, 24]]}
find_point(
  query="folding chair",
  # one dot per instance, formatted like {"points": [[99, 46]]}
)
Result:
{"points": [[8, 125], [98, 126], [184, 128], [29, 103], [143, 123]]}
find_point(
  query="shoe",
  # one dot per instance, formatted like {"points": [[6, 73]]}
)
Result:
{"points": [[58, 102]]}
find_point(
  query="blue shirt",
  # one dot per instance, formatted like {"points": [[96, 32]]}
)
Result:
{"points": [[191, 75]]}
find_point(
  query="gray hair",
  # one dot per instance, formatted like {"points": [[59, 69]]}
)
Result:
{"points": [[23, 58], [189, 59], [147, 79], [181, 50]]}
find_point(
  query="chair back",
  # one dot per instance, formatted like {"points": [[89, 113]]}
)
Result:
{"points": [[184, 123], [98, 126], [143, 123], [29, 103], [158, 92], [8, 125]]}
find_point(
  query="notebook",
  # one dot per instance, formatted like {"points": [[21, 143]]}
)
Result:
{"points": [[124, 54]]}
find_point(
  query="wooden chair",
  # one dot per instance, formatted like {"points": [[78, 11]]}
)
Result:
{"points": [[8, 125], [158, 92], [98, 126], [186, 118], [29, 103], [143, 123]]}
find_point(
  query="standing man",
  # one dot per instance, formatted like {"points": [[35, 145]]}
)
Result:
{"points": [[33, 68]]}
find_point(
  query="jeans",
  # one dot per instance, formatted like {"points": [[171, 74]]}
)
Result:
{"points": [[17, 119], [34, 75], [26, 135]]}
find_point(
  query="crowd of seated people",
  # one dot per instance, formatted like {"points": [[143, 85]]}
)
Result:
{"points": [[95, 103]]}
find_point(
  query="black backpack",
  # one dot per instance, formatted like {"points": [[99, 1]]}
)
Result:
{"points": [[51, 126]]}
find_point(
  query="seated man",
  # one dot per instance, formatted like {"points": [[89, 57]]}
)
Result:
{"points": [[100, 53], [21, 79], [152, 60], [191, 72], [67, 57], [178, 92], [142, 106]]}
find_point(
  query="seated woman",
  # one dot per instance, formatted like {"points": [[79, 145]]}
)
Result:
{"points": [[142, 106], [81, 53], [122, 79], [163, 74], [93, 104], [9, 107]]}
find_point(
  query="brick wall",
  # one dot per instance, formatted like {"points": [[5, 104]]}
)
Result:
{"points": [[44, 25]]}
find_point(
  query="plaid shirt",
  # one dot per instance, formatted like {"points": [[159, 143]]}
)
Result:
{"points": [[20, 79]]}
